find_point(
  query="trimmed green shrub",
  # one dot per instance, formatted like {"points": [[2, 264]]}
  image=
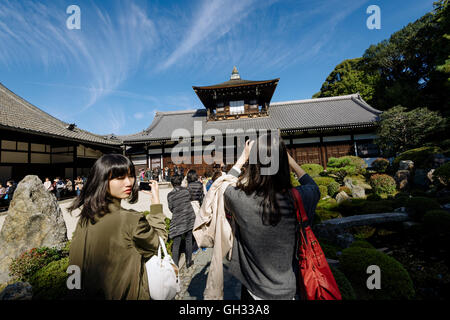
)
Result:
{"points": [[382, 184], [345, 287], [333, 188], [362, 244], [312, 169], [29, 262], [396, 283], [380, 206], [323, 181], [422, 157], [420, 205], [351, 165], [380, 165], [323, 191], [437, 223], [442, 174], [329, 250], [49, 283]]}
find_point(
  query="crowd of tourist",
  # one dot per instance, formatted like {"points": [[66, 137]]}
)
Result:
{"points": [[64, 187], [7, 192]]}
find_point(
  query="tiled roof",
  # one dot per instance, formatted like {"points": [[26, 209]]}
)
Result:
{"points": [[18, 114], [333, 112]]}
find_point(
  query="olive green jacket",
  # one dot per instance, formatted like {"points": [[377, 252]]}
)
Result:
{"points": [[112, 253]]}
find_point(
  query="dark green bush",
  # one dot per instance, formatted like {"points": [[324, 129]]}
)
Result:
{"points": [[345, 287], [333, 188], [363, 232], [420, 205], [380, 165], [361, 244], [442, 174], [437, 223], [380, 206], [312, 169], [422, 157], [49, 283], [382, 184], [29, 262], [396, 283]]}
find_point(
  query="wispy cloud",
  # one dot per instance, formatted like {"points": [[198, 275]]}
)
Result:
{"points": [[106, 53]]}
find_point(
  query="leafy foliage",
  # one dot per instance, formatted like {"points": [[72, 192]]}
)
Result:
{"points": [[401, 130], [29, 262]]}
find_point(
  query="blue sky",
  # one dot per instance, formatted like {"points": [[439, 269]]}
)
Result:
{"points": [[133, 58]]}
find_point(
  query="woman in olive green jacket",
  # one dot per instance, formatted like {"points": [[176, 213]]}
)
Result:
{"points": [[111, 245]]}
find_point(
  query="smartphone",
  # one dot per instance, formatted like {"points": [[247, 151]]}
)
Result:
{"points": [[145, 186]]}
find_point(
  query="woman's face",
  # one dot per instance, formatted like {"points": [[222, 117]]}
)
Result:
{"points": [[121, 187]]}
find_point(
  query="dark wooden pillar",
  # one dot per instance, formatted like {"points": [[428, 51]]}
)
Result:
{"points": [[323, 153]]}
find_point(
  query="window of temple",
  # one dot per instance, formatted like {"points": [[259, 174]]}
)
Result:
{"points": [[237, 107]]}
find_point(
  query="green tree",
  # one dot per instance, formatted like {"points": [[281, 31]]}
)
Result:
{"points": [[401, 130], [349, 77]]}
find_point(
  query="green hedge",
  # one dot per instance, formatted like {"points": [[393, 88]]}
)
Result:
{"points": [[312, 169], [324, 214], [396, 283], [422, 157], [351, 165], [294, 180], [345, 287], [49, 283]]}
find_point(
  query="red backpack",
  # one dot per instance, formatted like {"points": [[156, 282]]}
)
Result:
{"points": [[315, 278]]}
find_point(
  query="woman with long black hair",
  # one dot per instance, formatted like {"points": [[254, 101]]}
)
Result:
{"points": [[264, 220], [111, 244]]}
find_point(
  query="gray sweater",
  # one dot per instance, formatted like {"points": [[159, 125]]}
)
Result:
{"points": [[263, 256]]}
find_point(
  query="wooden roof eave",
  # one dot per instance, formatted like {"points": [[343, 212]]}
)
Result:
{"points": [[54, 136]]}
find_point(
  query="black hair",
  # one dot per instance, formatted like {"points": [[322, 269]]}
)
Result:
{"points": [[192, 176], [176, 180], [94, 196], [268, 186]]}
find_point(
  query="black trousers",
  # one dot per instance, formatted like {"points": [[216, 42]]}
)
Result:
{"points": [[176, 247], [245, 295]]}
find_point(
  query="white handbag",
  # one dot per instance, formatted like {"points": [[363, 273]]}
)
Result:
{"points": [[162, 274]]}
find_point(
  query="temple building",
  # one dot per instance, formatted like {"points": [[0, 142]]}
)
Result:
{"points": [[34, 142], [313, 130]]}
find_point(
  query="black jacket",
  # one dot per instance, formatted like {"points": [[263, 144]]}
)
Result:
{"points": [[196, 190]]}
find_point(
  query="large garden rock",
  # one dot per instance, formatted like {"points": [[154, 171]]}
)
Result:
{"points": [[402, 178], [17, 291], [342, 196], [34, 220], [406, 165], [358, 192]]}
